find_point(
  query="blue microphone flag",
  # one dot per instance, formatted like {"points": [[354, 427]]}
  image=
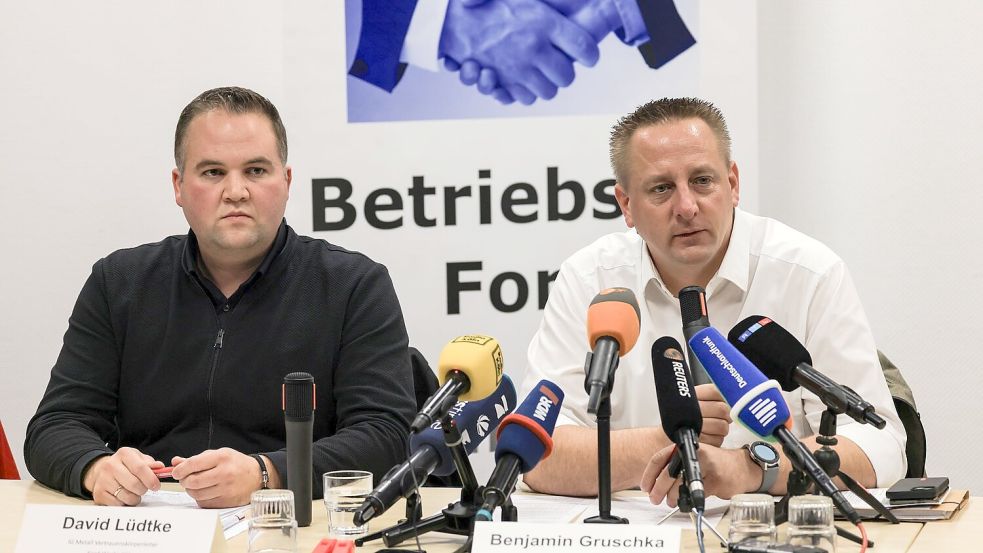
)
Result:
{"points": [[755, 401], [527, 433], [475, 419]]}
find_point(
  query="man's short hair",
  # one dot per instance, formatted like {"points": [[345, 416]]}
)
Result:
{"points": [[662, 111], [231, 99]]}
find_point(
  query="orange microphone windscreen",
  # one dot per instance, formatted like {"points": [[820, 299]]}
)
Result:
{"points": [[614, 312]]}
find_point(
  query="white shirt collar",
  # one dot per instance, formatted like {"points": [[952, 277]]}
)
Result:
{"points": [[734, 268]]}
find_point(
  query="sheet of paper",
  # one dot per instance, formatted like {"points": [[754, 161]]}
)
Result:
{"points": [[556, 508], [233, 518], [548, 509], [640, 510]]}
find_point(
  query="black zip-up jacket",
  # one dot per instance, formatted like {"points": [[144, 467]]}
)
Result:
{"points": [[156, 358]]}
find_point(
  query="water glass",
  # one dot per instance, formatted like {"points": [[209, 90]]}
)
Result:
{"points": [[752, 516], [344, 492], [272, 525], [810, 522]]}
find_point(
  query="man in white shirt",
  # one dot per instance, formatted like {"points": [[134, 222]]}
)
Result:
{"points": [[678, 189]]}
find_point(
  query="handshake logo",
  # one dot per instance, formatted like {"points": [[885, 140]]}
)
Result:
{"points": [[513, 50]]}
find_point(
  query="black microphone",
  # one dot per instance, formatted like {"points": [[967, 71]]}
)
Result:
{"points": [[475, 419], [524, 439], [613, 321], [758, 403], [470, 368], [298, 415], [782, 357], [693, 308], [682, 420]]}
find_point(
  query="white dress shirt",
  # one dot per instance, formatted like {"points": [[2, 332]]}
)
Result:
{"points": [[769, 269]]}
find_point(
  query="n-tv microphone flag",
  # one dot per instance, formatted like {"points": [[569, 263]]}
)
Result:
{"points": [[771, 348], [475, 420], [781, 356], [755, 401], [524, 439]]}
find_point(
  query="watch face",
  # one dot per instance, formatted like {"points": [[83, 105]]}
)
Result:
{"points": [[764, 452]]}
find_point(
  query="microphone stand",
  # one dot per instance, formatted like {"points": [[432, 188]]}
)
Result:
{"points": [[829, 460], [603, 455], [458, 517]]}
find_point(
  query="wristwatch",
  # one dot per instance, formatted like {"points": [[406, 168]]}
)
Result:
{"points": [[765, 456]]}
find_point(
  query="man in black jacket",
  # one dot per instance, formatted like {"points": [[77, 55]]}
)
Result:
{"points": [[175, 351]]}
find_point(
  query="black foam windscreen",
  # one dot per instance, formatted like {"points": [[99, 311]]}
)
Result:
{"points": [[693, 306], [678, 405], [771, 348]]}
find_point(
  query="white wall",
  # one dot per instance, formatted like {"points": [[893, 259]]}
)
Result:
{"points": [[870, 133], [90, 98], [90, 95]]}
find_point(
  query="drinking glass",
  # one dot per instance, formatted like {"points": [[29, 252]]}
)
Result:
{"points": [[810, 522], [272, 526], [752, 516], [344, 492]]}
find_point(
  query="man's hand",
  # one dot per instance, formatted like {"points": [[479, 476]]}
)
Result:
{"points": [[726, 473], [716, 415], [530, 46], [121, 478], [596, 17], [218, 478]]}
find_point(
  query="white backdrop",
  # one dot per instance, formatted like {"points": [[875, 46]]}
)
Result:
{"points": [[871, 125], [91, 94]]}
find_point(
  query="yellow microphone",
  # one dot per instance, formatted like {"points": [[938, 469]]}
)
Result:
{"points": [[470, 368]]}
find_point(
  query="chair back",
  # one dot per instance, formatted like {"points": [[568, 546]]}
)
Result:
{"points": [[904, 402]]}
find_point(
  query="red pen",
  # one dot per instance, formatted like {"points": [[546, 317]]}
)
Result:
{"points": [[163, 472]]}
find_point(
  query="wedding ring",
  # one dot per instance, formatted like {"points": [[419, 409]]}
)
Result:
{"points": [[118, 489]]}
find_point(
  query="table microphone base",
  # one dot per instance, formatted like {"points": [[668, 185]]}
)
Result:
{"points": [[605, 519]]}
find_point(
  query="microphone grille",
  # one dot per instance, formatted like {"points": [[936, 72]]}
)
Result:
{"points": [[298, 395], [692, 304]]}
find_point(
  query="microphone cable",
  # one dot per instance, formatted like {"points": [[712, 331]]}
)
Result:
{"points": [[413, 516], [863, 537], [699, 530]]}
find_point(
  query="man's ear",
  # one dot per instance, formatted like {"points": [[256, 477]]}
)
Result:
{"points": [[733, 177], [176, 181], [623, 202]]}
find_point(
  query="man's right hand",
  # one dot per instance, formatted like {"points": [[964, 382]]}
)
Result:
{"points": [[716, 415], [121, 478]]}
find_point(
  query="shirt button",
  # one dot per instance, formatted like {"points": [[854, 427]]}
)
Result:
{"points": [[225, 307]]}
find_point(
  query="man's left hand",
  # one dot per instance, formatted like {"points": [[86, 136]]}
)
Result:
{"points": [[726, 473], [218, 478]]}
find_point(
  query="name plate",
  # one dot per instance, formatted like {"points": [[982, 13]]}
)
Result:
{"points": [[508, 537], [91, 529]]}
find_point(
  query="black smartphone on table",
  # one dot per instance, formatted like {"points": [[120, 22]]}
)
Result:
{"points": [[917, 489]]}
